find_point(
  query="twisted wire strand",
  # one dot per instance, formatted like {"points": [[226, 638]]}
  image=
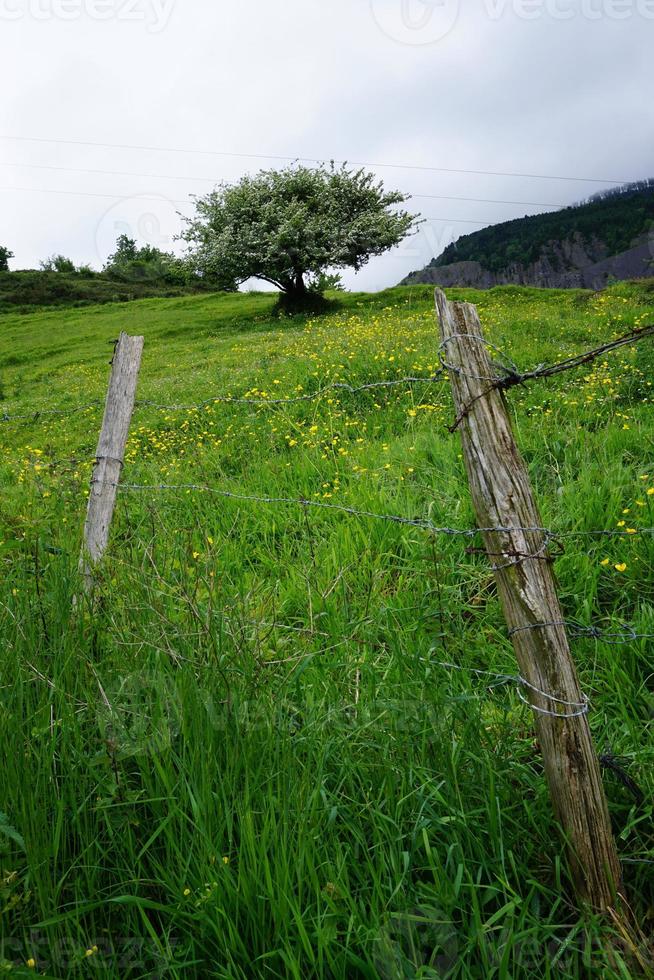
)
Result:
{"points": [[295, 399], [511, 370], [296, 501], [540, 554], [581, 707], [511, 376], [549, 371], [627, 635], [49, 412], [514, 376], [235, 400], [355, 512]]}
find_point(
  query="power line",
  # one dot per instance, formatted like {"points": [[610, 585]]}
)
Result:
{"points": [[491, 200], [300, 159], [468, 221], [110, 173], [216, 180], [170, 200], [113, 197]]}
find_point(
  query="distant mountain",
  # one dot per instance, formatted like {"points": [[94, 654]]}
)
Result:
{"points": [[610, 236]]}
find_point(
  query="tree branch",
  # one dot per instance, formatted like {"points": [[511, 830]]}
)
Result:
{"points": [[273, 282]]}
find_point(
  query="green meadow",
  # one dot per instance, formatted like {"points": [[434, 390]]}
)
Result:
{"points": [[248, 757]]}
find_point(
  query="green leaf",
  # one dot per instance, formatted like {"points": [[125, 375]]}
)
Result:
{"points": [[8, 831]]}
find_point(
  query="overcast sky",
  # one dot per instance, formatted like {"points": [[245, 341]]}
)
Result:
{"points": [[543, 87]]}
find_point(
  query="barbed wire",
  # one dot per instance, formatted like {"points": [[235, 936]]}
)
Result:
{"points": [[581, 707], [234, 399], [512, 375], [626, 635], [393, 518], [631, 533], [73, 462], [312, 396], [295, 501], [550, 536], [514, 557], [48, 412], [549, 371]]}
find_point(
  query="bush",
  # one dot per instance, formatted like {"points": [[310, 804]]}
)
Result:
{"points": [[58, 263], [130, 264]]}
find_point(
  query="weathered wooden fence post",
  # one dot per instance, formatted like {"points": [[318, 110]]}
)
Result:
{"points": [[110, 452], [503, 498]]}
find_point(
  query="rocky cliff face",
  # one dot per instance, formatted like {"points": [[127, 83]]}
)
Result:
{"points": [[572, 263]]}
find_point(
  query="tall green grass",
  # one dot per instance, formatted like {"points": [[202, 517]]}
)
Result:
{"points": [[246, 758]]}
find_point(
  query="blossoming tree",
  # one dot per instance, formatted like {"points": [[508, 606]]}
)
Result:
{"points": [[293, 227]]}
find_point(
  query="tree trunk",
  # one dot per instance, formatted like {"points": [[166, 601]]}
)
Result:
{"points": [[295, 290], [299, 286]]}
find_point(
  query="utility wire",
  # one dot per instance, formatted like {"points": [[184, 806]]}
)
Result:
{"points": [[162, 197], [301, 159], [113, 197], [219, 180]]}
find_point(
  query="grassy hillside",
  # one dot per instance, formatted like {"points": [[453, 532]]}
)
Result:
{"points": [[615, 219], [247, 759], [29, 289]]}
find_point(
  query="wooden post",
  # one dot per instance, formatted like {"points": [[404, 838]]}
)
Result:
{"points": [[503, 498], [110, 453]]}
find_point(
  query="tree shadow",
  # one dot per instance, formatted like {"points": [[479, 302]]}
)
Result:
{"points": [[307, 304]]}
